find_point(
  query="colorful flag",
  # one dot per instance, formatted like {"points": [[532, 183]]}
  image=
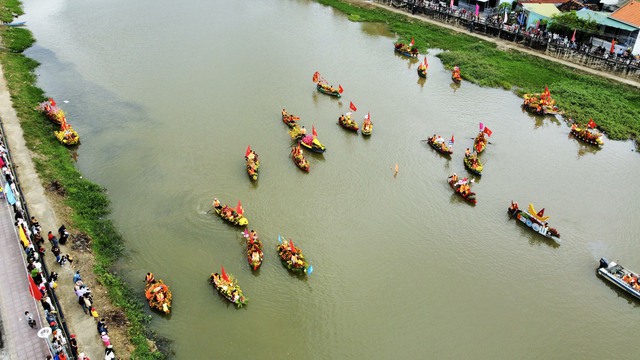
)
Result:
{"points": [[248, 151], [239, 208], [541, 213], [451, 3], [35, 292], [412, 42], [352, 107], [546, 91], [340, 89], [487, 131], [613, 46], [23, 236], [225, 277], [481, 126], [292, 247], [477, 10], [591, 124], [53, 103], [573, 37], [313, 130], [451, 141], [316, 77], [368, 117], [425, 61]]}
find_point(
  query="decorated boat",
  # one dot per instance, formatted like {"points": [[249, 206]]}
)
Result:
{"points": [[253, 164], [438, 143], [254, 249], [462, 187], [290, 119], [67, 136], [422, 68], [292, 257], [323, 86], [158, 294], [583, 133], [620, 276], [409, 50], [541, 103], [534, 220], [228, 287], [455, 75], [52, 111], [367, 125], [347, 122], [299, 159], [234, 216], [473, 164], [310, 142]]}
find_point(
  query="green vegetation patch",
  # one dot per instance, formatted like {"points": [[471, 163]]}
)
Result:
{"points": [[88, 201], [614, 106]]}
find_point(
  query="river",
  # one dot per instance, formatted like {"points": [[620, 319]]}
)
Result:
{"points": [[167, 95]]}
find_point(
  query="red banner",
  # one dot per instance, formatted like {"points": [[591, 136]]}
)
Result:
{"points": [[352, 107]]}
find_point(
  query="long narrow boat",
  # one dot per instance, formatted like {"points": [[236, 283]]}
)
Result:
{"points": [[620, 276], [406, 50], [292, 257], [462, 188], [587, 136], [290, 119], [367, 128], [67, 136], [52, 111], [440, 147], [422, 69], [254, 249], [299, 159], [230, 214], [348, 123], [480, 142], [228, 287], [158, 295], [253, 164], [534, 221], [328, 90], [476, 167], [312, 143]]}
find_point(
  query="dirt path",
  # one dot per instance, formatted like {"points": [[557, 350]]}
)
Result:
{"points": [[501, 43]]}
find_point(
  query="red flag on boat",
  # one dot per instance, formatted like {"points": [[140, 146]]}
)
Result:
{"points": [[541, 213], [316, 77], [412, 42], [340, 89], [352, 107], [53, 103], [313, 130], [224, 275], [487, 131], [452, 140], [291, 246], [613, 46], [426, 63], [591, 124], [573, 37], [33, 288], [248, 151], [368, 117], [547, 93], [239, 208]]}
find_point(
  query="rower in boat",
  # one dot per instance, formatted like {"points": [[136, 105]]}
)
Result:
{"points": [[467, 152], [150, 279], [216, 203]]}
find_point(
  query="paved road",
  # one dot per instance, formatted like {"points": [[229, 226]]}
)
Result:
{"points": [[20, 341]]}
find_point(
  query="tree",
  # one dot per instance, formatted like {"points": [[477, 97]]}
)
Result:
{"points": [[566, 23]]}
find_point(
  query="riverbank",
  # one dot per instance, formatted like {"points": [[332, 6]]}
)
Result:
{"points": [[615, 107], [80, 204]]}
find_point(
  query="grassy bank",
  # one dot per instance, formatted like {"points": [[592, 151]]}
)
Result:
{"points": [[88, 201], [614, 106]]}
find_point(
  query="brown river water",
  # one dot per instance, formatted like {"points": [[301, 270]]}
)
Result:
{"points": [[167, 95]]}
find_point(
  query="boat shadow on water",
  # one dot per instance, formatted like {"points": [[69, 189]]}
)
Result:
{"points": [[410, 60], [422, 81], [621, 293], [583, 147], [539, 120], [454, 86]]}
